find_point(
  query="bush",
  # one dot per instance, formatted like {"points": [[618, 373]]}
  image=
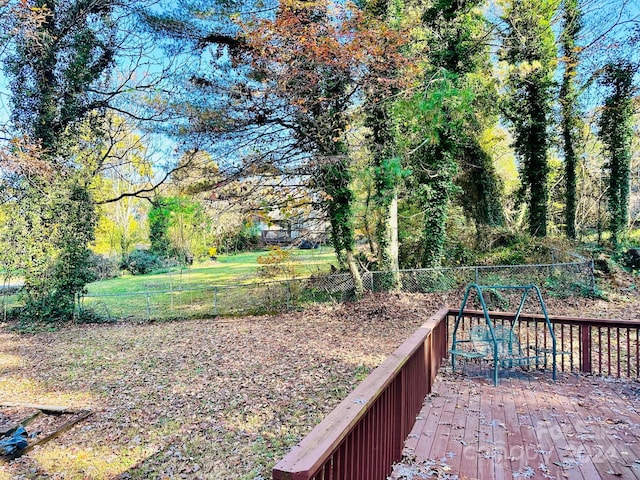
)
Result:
{"points": [[247, 238], [141, 262], [103, 268], [276, 262], [458, 254]]}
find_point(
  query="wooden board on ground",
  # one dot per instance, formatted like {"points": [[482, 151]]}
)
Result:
{"points": [[42, 422]]}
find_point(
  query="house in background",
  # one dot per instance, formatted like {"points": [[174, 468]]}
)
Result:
{"points": [[304, 230]]}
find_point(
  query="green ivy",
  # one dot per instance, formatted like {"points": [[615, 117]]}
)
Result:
{"points": [[616, 133], [530, 52]]}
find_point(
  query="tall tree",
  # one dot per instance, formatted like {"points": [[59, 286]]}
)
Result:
{"points": [[312, 75], [51, 72], [386, 163], [528, 48], [440, 131], [289, 96], [433, 120], [461, 47], [60, 77], [572, 24], [616, 133]]}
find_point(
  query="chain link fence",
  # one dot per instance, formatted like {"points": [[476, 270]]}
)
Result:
{"points": [[574, 277], [280, 296]]}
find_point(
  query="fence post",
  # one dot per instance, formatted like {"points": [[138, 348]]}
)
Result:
{"points": [[215, 301], [477, 275], [148, 306], [288, 294], [79, 309]]}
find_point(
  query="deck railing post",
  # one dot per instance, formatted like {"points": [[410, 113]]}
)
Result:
{"points": [[399, 434], [585, 346]]}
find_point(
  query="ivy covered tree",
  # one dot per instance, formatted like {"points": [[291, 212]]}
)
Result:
{"points": [[459, 46], [529, 51], [440, 129], [51, 71], [570, 114], [433, 120], [59, 73], [616, 134], [386, 164]]}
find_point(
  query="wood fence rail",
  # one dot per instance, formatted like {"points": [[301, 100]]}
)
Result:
{"points": [[365, 434]]}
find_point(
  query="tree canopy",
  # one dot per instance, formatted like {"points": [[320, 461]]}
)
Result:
{"points": [[404, 127]]}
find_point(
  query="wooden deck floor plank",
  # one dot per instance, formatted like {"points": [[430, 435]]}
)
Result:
{"points": [[623, 421], [445, 425], [547, 416], [531, 452], [517, 444], [588, 439], [577, 428], [456, 446], [431, 412], [591, 435], [573, 448], [470, 467], [620, 430], [487, 455], [418, 427], [503, 466]]}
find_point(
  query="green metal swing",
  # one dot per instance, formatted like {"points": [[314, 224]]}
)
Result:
{"points": [[499, 343]]}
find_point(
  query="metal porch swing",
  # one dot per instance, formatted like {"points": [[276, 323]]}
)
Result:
{"points": [[499, 344]]}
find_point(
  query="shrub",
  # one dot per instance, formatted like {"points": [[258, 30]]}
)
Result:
{"points": [[247, 238], [276, 262], [141, 262], [103, 268]]}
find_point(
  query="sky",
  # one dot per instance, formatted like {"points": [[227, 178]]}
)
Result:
{"points": [[600, 15]]}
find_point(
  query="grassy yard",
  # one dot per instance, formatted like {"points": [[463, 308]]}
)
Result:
{"points": [[227, 269], [206, 289]]}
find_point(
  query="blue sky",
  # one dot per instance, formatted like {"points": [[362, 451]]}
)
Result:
{"points": [[600, 15]]}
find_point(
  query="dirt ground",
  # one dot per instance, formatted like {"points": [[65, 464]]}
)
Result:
{"points": [[211, 399]]}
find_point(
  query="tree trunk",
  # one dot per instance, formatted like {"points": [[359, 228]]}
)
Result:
{"points": [[355, 273], [570, 116], [394, 245]]}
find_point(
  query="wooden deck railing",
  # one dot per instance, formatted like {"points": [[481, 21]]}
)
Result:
{"points": [[590, 345], [364, 435]]}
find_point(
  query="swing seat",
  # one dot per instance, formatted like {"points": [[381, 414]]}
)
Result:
{"points": [[510, 352]]}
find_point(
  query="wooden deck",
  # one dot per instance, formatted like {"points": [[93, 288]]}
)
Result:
{"points": [[579, 427]]}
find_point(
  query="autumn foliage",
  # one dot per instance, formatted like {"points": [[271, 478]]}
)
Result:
{"points": [[317, 57]]}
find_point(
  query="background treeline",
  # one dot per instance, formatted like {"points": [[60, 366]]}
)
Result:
{"points": [[421, 132]]}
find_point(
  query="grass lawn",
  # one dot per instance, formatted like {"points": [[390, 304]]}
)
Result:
{"points": [[227, 269], [206, 289]]}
